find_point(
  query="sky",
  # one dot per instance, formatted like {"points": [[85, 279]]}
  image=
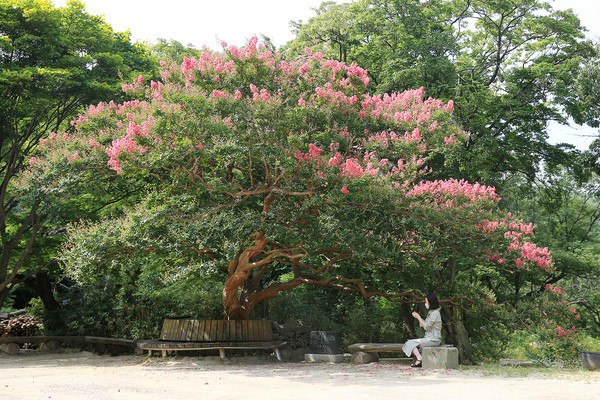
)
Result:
{"points": [[208, 22]]}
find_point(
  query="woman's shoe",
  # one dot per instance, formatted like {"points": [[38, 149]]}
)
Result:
{"points": [[417, 364]]}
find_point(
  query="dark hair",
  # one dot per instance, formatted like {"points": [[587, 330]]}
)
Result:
{"points": [[433, 301]]}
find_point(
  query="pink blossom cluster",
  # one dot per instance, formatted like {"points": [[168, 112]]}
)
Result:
{"points": [[455, 188], [134, 86], [554, 289], [127, 144], [123, 144], [314, 154], [350, 71], [562, 332], [334, 97], [540, 256], [404, 107]]}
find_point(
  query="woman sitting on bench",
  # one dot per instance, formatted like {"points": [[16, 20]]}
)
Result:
{"points": [[433, 331]]}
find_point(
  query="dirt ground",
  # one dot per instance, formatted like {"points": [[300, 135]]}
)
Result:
{"points": [[82, 375]]}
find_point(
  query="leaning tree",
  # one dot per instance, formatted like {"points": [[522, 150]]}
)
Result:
{"points": [[277, 174]]}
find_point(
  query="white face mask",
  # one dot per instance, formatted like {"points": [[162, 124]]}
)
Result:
{"points": [[427, 306]]}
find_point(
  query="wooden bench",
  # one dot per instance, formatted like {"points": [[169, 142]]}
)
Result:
{"points": [[11, 344], [189, 334], [444, 356]]}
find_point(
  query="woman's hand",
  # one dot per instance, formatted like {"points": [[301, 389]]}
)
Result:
{"points": [[417, 316]]}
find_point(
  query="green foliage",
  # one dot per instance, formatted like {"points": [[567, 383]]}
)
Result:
{"points": [[53, 62], [134, 304]]}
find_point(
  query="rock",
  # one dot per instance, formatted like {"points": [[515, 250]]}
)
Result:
{"points": [[440, 357], [49, 347], [590, 360], [516, 363], [332, 358], [10, 348], [362, 357]]}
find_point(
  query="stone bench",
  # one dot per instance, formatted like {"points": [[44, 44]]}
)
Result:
{"points": [[443, 357]]}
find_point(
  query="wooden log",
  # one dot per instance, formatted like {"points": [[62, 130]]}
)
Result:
{"points": [[110, 341], [11, 349], [40, 339]]}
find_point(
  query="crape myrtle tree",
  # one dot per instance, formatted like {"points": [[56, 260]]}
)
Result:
{"points": [[290, 173], [53, 62]]}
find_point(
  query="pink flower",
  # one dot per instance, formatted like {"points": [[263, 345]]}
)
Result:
{"points": [[238, 95], [264, 94], [140, 79], [344, 190], [335, 160], [450, 139], [519, 262], [314, 150], [73, 157], [163, 64], [301, 102]]}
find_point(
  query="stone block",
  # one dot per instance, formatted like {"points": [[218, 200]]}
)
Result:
{"points": [[362, 357], [49, 347], [516, 363], [331, 358], [445, 357], [10, 348]]}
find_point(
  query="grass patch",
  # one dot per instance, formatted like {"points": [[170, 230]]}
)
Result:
{"points": [[495, 369]]}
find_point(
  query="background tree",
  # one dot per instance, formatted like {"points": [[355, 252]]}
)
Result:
{"points": [[53, 61], [510, 66], [565, 208]]}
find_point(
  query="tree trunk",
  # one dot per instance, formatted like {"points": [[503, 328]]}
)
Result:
{"points": [[408, 319], [3, 295], [456, 334], [42, 286], [237, 292]]}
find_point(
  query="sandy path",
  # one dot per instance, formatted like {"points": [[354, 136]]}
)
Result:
{"points": [[86, 376]]}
